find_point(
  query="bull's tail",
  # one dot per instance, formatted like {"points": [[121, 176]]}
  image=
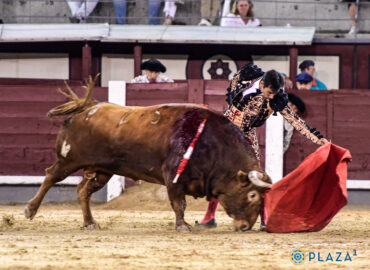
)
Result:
{"points": [[76, 104]]}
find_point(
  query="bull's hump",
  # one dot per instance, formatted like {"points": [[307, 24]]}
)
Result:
{"points": [[182, 105], [180, 108], [170, 112], [113, 106]]}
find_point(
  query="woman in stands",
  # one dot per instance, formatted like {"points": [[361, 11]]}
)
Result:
{"points": [[252, 97], [242, 15]]}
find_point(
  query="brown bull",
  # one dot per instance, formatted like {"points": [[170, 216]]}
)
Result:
{"points": [[148, 143]]}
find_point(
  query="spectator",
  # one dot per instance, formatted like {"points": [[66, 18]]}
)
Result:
{"points": [[120, 8], [298, 107], [242, 15], [154, 7], [304, 81], [288, 85], [170, 7], [352, 9], [81, 9], [208, 11], [152, 69], [308, 66]]}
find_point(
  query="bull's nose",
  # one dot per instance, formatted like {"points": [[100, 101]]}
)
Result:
{"points": [[241, 225], [244, 228]]}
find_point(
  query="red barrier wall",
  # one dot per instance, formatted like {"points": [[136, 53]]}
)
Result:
{"points": [[27, 136]]}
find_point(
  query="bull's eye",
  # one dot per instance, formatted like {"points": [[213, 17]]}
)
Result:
{"points": [[253, 196]]}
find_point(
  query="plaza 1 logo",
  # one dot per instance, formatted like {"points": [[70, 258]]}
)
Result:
{"points": [[298, 256]]}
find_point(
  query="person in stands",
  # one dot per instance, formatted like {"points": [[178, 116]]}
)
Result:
{"points": [[297, 105], [241, 16], [352, 10], [169, 10], [120, 9], [209, 10], [308, 66], [81, 9], [153, 70], [304, 81]]}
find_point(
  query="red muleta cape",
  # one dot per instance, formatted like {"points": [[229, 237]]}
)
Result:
{"points": [[310, 196]]}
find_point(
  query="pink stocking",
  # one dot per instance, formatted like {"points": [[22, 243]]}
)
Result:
{"points": [[211, 211]]}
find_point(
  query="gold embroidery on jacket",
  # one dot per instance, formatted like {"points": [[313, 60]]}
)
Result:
{"points": [[255, 114], [299, 124]]}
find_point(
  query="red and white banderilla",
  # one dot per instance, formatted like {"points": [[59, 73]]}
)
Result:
{"points": [[189, 151]]}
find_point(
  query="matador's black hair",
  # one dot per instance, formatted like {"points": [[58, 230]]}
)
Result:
{"points": [[274, 79]]}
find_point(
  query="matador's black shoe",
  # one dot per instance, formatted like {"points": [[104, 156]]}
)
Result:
{"points": [[263, 226], [209, 225]]}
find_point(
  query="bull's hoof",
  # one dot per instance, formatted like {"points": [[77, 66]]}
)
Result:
{"points": [[184, 228], [93, 226], [29, 213]]}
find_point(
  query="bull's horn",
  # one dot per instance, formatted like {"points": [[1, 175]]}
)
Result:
{"points": [[256, 178]]}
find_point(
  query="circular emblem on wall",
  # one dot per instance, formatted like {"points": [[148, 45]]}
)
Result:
{"points": [[297, 256], [219, 67]]}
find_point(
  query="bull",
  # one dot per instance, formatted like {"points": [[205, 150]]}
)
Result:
{"points": [[148, 143]]}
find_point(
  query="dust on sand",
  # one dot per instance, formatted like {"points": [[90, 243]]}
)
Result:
{"points": [[138, 233]]}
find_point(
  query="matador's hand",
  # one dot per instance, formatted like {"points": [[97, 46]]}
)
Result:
{"points": [[323, 141]]}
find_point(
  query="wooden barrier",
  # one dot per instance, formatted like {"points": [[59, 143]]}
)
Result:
{"points": [[27, 136], [341, 116]]}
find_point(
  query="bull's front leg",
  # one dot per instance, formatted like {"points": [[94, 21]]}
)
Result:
{"points": [[178, 204]]}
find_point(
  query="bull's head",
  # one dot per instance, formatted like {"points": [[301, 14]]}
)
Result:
{"points": [[243, 201]]}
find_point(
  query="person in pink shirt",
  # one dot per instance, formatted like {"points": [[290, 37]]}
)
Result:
{"points": [[242, 15]]}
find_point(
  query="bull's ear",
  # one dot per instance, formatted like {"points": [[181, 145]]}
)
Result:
{"points": [[242, 177]]}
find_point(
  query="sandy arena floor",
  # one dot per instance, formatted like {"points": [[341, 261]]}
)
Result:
{"points": [[143, 237]]}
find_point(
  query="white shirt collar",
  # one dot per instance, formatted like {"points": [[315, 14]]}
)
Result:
{"points": [[252, 89]]}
